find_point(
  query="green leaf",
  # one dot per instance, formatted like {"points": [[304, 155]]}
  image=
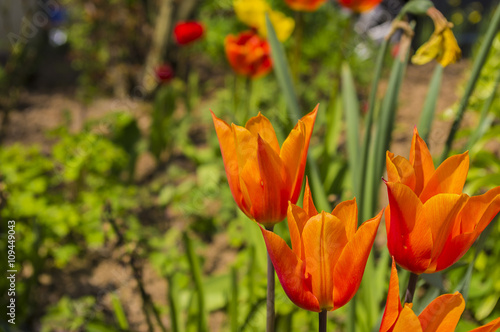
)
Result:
{"points": [[284, 77], [351, 111], [479, 61], [425, 122], [119, 312]]}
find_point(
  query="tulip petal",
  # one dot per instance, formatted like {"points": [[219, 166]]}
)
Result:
{"points": [[393, 303], [441, 212], [260, 125], [400, 170], [347, 211], [473, 219], [268, 196], [290, 271], [308, 203], [308, 121], [442, 314], [449, 177], [407, 321], [297, 219], [454, 249], [350, 266], [229, 155], [408, 241], [490, 327], [324, 238], [291, 153], [421, 160], [479, 212]]}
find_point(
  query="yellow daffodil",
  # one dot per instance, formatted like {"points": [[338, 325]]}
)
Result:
{"points": [[253, 14], [442, 44]]}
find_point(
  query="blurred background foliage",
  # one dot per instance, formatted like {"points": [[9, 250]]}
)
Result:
{"points": [[81, 198]]}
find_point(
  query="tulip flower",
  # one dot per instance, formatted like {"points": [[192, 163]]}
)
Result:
{"points": [[253, 14], [187, 32], [442, 44], [164, 73], [305, 5], [262, 176], [430, 224], [359, 6], [248, 54], [442, 314], [324, 267]]}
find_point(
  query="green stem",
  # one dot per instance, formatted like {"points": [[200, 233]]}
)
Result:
{"points": [[322, 320], [196, 273], [471, 83], [410, 290], [234, 300], [270, 292], [173, 309]]}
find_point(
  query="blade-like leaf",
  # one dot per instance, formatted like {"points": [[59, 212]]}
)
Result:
{"points": [[425, 122]]}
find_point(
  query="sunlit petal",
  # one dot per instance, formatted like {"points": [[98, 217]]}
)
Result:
{"points": [[442, 314]]}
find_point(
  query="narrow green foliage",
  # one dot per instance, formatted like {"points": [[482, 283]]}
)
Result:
{"points": [[197, 278], [493, 28], [484, 120], [172, 304], [368, 129], [464, 284], [233, 310], [284, 77], [351, 111], [119, 313], [425, 122], [282, 71]]}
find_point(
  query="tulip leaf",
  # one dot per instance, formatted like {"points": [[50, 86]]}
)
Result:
{"points": [[425, 122], [365, 214], [484, 120], [479, 61], [118, 311], [464, 284], [284, 77], [351, 111], [194, 266], [282, 71]]}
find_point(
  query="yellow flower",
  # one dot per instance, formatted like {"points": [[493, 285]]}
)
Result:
{"points": [[253, 14], [442, 44]]}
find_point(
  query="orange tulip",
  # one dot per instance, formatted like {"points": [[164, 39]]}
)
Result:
{"points": [[324, 268], [441, 315], [263, 177], [359, 6], [305, 5], [248, 54], [430, 224]]}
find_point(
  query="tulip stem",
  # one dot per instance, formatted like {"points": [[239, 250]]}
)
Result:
{"points": [[412, 284], [322, 320], [270, 291]]}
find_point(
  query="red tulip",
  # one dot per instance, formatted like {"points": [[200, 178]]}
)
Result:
{"points": [[164, 73], [262, 176], [324, 268], [304, 5], [359, 5], [187, 32], [248, 54]]}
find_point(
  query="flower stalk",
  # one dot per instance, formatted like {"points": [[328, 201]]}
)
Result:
{"points": [[270, 291]]}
